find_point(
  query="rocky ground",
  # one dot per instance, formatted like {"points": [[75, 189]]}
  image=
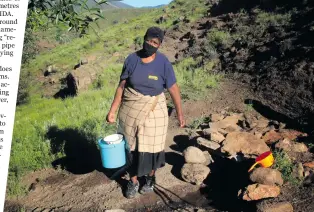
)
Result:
{"points": [[207, 167]]}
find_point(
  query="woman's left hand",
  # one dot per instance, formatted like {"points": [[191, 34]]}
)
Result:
{"points": [[181, 121]]}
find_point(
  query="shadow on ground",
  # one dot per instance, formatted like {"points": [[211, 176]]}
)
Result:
{"points": [[82, 155], [223, 184], [227, 177], [304, 123]]}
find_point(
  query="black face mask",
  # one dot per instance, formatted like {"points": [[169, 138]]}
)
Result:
{"points": [[148, 50]]}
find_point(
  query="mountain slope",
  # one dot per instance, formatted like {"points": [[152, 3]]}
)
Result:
{"points": [[115, 4], [158, 6]]}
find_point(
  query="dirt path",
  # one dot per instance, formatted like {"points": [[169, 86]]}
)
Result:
{"points": [[56, 190]]}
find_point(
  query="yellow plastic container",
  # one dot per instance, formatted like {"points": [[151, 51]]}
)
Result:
{"points": [[265, 160]]}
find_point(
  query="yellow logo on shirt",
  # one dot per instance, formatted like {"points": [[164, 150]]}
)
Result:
{"points": [[152, 77]]}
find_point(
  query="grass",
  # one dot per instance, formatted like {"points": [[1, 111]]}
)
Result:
{"points": [[287, 168], [217, 37], [274, 19], [32, 148], [198, 121], [195, 79]]}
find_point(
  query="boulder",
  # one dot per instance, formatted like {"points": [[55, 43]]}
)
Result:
{"points": [[272, 137], [209, 144], [217, 117], [84, 61], [194, 173], [52, 69], [208, 157], [309, 164], [291, 134], [244, 142], [81, 78], [299, 147], [262, 123], [284, 144], [288, 145], [259, 191], [282, 126], [274, 207], [230, 121], [266, 176], [194, 155], [214, 135]]}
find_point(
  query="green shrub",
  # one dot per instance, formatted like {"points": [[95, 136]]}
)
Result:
{"points": [[274, 19], [216, 37], [285, 165]]}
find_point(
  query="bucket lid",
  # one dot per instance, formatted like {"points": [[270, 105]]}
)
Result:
{"points": [[113, 139]]}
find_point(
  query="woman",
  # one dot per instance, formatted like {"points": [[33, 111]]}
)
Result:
{"points": [[143, 114]]}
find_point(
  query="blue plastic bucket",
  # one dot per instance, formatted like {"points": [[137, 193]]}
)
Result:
{"points": [[112, 151]]}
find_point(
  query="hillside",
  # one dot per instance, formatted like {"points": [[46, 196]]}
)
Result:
{"points": [[249, 62], [113, 4], [158, 6]]}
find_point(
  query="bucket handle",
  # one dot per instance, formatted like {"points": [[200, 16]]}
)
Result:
{"points": [[252, 167]]}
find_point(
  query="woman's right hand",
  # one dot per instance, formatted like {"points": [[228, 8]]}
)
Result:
{"points": [[111, 118]]}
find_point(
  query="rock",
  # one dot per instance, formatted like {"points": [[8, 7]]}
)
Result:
{"points": [[284, 144], [161, 19], [300, 171], [80, 79], [204, 125], [217, 117], [291, 134], [258, 135], [251, 121], [244, 142], [282, 126], [309, 180], [209, 144], [194, 155], [299, 147], [83, 61], [52, 69], [272, 137], [208, 157], [290, 146], [274, 207], [115, 210], [260, 191], [309, 164], [230, 121], [234, 128], [194, 173], [262, 123], [266, 176], [307, 173], [213, 135]]}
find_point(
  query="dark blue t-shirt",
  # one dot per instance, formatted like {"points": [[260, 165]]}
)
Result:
{"points": [[148, 78]]}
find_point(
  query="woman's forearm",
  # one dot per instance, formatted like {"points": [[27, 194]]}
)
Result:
{"points": [[176, 98], [117, 98]]}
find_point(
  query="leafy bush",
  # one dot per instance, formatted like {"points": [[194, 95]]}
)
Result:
{"points": [[216, 37], [285, 165], [273, 19]]}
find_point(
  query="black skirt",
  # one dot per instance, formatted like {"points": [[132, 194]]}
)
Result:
{"points": [[142, 163]]}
